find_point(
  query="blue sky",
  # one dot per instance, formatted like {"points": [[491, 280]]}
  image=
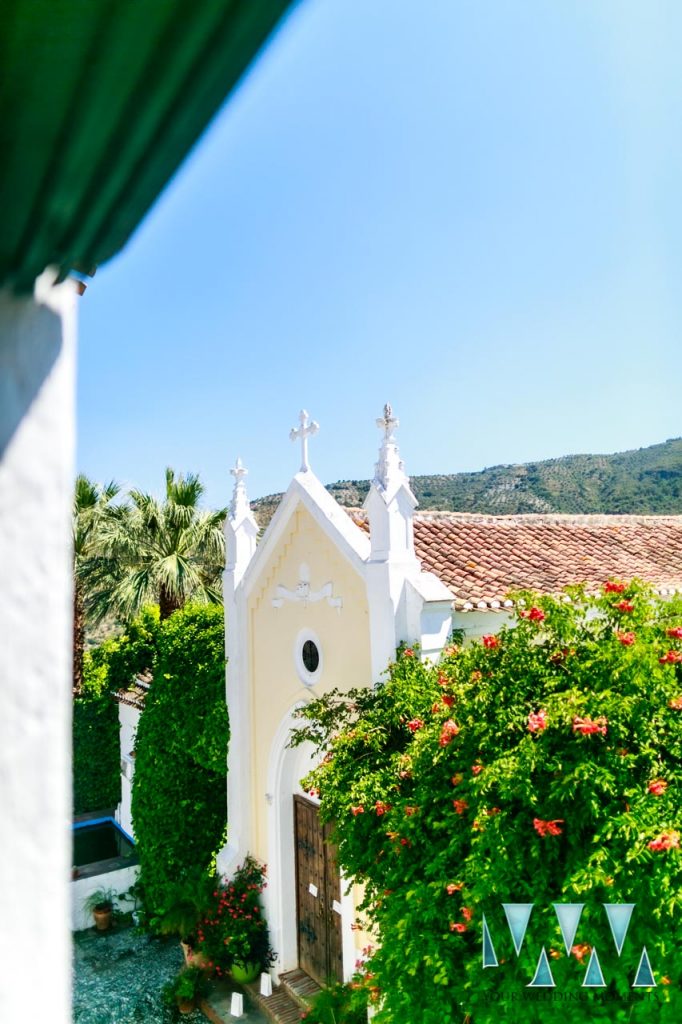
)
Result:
{"points": [[469, 209]]}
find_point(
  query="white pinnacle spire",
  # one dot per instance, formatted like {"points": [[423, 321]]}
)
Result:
{"points": [[389, 472], [239, 506], [306, 430]]}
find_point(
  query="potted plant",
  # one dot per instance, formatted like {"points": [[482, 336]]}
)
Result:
{"points": [[181, 916], [100, 903], [186, 989], [233, 933]]}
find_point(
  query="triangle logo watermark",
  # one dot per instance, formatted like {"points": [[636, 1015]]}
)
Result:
{"points": [[518, 916], [489, 955], [619, 915], [593, 975], [645, 976], [543, 974], [568, 915]]}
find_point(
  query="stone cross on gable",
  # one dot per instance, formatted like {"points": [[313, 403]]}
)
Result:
{"points": [[307, 429], [389, 470], [388, 422], [240, 502]]}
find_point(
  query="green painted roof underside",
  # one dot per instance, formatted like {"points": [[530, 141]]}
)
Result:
{"points": [[100, 102]]}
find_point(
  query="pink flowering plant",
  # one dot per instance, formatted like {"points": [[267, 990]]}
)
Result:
{"points": [[551, 773], [233, 929]]}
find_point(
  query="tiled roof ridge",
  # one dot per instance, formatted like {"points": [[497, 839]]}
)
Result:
{"points": [[515, 518], [560, 518]]}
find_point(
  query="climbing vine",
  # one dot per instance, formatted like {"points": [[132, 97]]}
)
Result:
{"points": [[539, 765], [179, 793]]}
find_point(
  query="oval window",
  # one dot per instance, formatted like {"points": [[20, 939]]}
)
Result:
{"points": [[310, 656]]}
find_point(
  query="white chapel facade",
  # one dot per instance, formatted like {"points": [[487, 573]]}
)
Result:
{"points": [[317, 605]]}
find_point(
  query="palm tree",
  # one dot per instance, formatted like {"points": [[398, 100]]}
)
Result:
{"points": [[169, 552], [92, 512]]}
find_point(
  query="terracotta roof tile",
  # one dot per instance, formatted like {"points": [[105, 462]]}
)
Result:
{"points": [[135, 695], [482, 558]]}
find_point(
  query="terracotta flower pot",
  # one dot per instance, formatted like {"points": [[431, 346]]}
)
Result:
{"points": [[102, 919], [198, 960]]}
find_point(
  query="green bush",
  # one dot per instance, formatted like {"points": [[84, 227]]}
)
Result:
{"points": [[540, 765], [96, 747], [115, 662], [340, 1004], [96, 755], [179, 792]]}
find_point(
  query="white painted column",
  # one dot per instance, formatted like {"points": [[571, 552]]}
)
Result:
{"points": [[241, 531], [390, 507], [37, 423]]}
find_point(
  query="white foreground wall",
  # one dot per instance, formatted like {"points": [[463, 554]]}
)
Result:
{"points": [[37, 351]]}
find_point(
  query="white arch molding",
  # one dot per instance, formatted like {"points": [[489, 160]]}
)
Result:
{"points": [[286, 768]]}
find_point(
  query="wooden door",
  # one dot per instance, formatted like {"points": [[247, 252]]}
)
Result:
{"points": [[318, 892]]}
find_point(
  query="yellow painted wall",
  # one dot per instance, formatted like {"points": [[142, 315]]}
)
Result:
{"points": [[343, 635]]}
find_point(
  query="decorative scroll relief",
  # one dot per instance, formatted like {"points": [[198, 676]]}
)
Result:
{"points": [[304, 594]]}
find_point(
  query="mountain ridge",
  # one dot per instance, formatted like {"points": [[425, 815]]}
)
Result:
{"points": [[639, 481]]}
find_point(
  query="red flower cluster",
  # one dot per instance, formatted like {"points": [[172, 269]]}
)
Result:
{"points": [[537, 721], [357, 810], [671, 658], [627, 639], [408, 653], [490, 642], [666, 841], [588, 726], [658, 787], [675, 633], [234, 929], [409, 811], [534, 614], [581, 951], [453, 887], [614, 588], [415, 724], [477, 768], [457, 778], [460, 806], [548, 828], [381, 808], [448, 732], [457, 926], [625, 606], [675, 703]]}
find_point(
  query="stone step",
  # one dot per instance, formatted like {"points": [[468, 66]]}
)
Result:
{"points": [[300, 986], [280, 1007]]}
